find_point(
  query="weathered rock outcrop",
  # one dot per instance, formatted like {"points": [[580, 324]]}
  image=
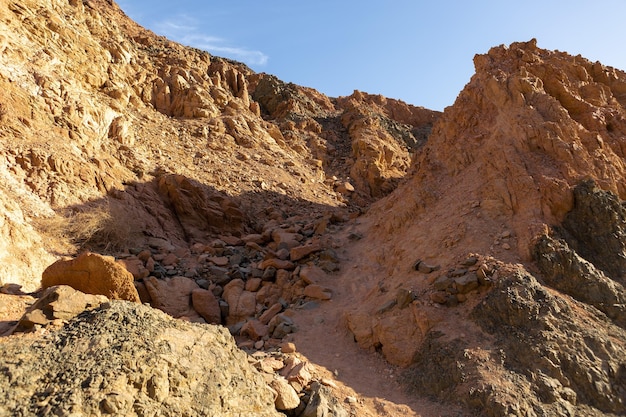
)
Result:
{"points": [[128, 359], [596, 227], [92, 273], [547, 355], [367, 138]]}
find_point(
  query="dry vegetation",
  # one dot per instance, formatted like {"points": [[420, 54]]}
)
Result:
{"points": [[104, 227]]}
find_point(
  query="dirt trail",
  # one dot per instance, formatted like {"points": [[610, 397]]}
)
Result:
{"points": [[323, 337]]}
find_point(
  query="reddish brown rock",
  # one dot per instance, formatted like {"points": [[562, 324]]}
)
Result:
{"points": [[312, 274], [286, 397], [254, 329], [241, 303], [135, 266], [144, 295], [92, 274], [277, 263], [270, 313], [172, 295], [207, 305], [318, 292], [253, 284], [300, 252]]}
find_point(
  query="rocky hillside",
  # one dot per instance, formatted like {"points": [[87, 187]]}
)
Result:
{"points": [[101, 115], [371, 257], [508, 241]]}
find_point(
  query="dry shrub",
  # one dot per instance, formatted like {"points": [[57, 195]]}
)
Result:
{"points": [[104, 227]]}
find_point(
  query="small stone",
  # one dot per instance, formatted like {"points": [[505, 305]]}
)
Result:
{"points": [[253, 284], [506, 246], [197, 248], [219, 260], [170, 260], [439, 297], [269, 274], [287, 347], [425, 268], [232, 240], [345, 188], [254, 238], [282, 254], [442, 283], [299, 377], [270, 313], [144, 255], [254, 329], [286, 397], [270, 365], [350, 399], [300, 252], [318, 292], [328, 382], [467, 282], [470, 261], [458, 272], [277, 263], [404, 298], [312, 274]]}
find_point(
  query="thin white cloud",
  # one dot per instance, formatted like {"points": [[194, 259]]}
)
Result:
{"points": [[185, 29]]}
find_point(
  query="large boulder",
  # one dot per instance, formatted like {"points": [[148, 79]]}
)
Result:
{"points": [[92, 274], [129, 359]]}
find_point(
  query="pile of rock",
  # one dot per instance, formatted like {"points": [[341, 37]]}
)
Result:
{"points": [[472, 275], [248, 283], [298, 391]]}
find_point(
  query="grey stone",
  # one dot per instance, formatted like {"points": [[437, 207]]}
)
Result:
{"points": [[322, 403]]}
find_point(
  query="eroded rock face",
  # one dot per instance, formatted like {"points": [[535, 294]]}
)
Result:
{"points": [[596, 227], [128, 359], [563, 269]]}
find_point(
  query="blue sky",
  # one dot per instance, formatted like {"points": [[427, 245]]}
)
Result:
{"points": [[417, 51]]}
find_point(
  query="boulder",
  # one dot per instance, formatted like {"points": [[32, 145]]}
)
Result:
{"points": [[92, 274], [172, 295], [207, 305], [129, 359], [57, 304], [241, 303], [286, 397]]}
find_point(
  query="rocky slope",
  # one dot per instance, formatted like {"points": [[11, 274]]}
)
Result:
{"points": [[507, 245], [469, 263], [101, 115]]}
